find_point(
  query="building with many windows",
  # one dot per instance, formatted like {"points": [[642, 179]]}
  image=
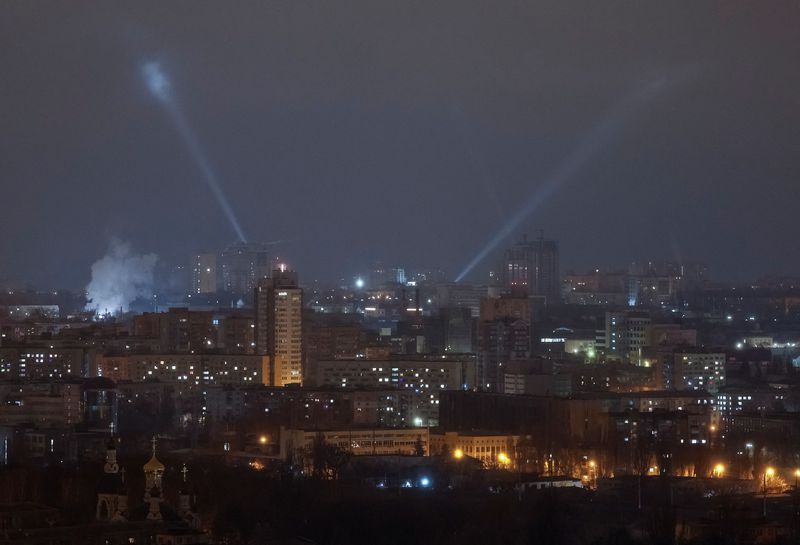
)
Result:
{"points": [[279, 325], [243, 265], [357, 441], [204, 273], [423, 378], [533, 265], [44, 362], [191, 369], [493, 449], [699, 370], [627, 335]]}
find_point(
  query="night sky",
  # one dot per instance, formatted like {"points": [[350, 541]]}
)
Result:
{"points": [[403, 131]]}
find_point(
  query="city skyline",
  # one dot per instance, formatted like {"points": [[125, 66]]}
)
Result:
{"points": [[178, 273]]}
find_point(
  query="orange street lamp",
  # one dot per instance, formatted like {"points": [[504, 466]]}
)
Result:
{"points": [[458, 454], [719, 470], [593, 469], [769, 472]]}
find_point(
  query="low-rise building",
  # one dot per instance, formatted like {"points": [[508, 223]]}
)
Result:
{"points": [[491, 448], [299, 443]]}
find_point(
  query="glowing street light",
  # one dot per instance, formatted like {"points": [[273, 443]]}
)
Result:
{"points": [[769, 472], [263, 440], [719, 470], [593, 470], [458, 454], [503, 459]]}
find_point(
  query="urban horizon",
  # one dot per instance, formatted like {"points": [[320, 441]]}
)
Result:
{"points": [[364, 272]]}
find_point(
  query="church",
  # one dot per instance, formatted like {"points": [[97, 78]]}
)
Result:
{"points": [[153, 518]]}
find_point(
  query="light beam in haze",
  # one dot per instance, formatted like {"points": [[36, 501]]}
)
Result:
{"points": [[594, 141], [159, 86]]}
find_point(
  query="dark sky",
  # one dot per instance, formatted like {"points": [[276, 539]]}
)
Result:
{"points": [[403, 130]]}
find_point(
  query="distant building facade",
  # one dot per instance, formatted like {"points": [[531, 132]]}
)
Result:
{"points": [[534, 266], [204, 273], [243, 265]]}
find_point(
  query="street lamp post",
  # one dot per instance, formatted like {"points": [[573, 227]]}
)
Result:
{"points": [[769, 472], [796, 506], [503, 460]]}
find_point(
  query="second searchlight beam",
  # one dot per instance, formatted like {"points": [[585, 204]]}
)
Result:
{"points": [[594, 141]]}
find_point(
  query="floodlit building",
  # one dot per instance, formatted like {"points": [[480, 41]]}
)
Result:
{"points": [[357, 441], [493, 449]]}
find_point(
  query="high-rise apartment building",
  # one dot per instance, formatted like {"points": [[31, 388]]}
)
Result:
{"points": [[696, 369], [627, 335], [504, 335], [460, 295], [204, 273], [533, 265], [243, 265], [279, 325]]}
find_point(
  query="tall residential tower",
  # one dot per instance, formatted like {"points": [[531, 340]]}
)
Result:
{"points": [[533, 265], [204, 273], [279, 325]]}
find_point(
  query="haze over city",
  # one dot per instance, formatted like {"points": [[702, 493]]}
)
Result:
{"points": [[362, 131]]}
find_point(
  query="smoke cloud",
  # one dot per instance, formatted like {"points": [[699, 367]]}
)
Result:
{"points": [[119, 278]]}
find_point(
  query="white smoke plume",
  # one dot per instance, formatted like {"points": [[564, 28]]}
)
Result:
{"points": [[118, 278]]}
